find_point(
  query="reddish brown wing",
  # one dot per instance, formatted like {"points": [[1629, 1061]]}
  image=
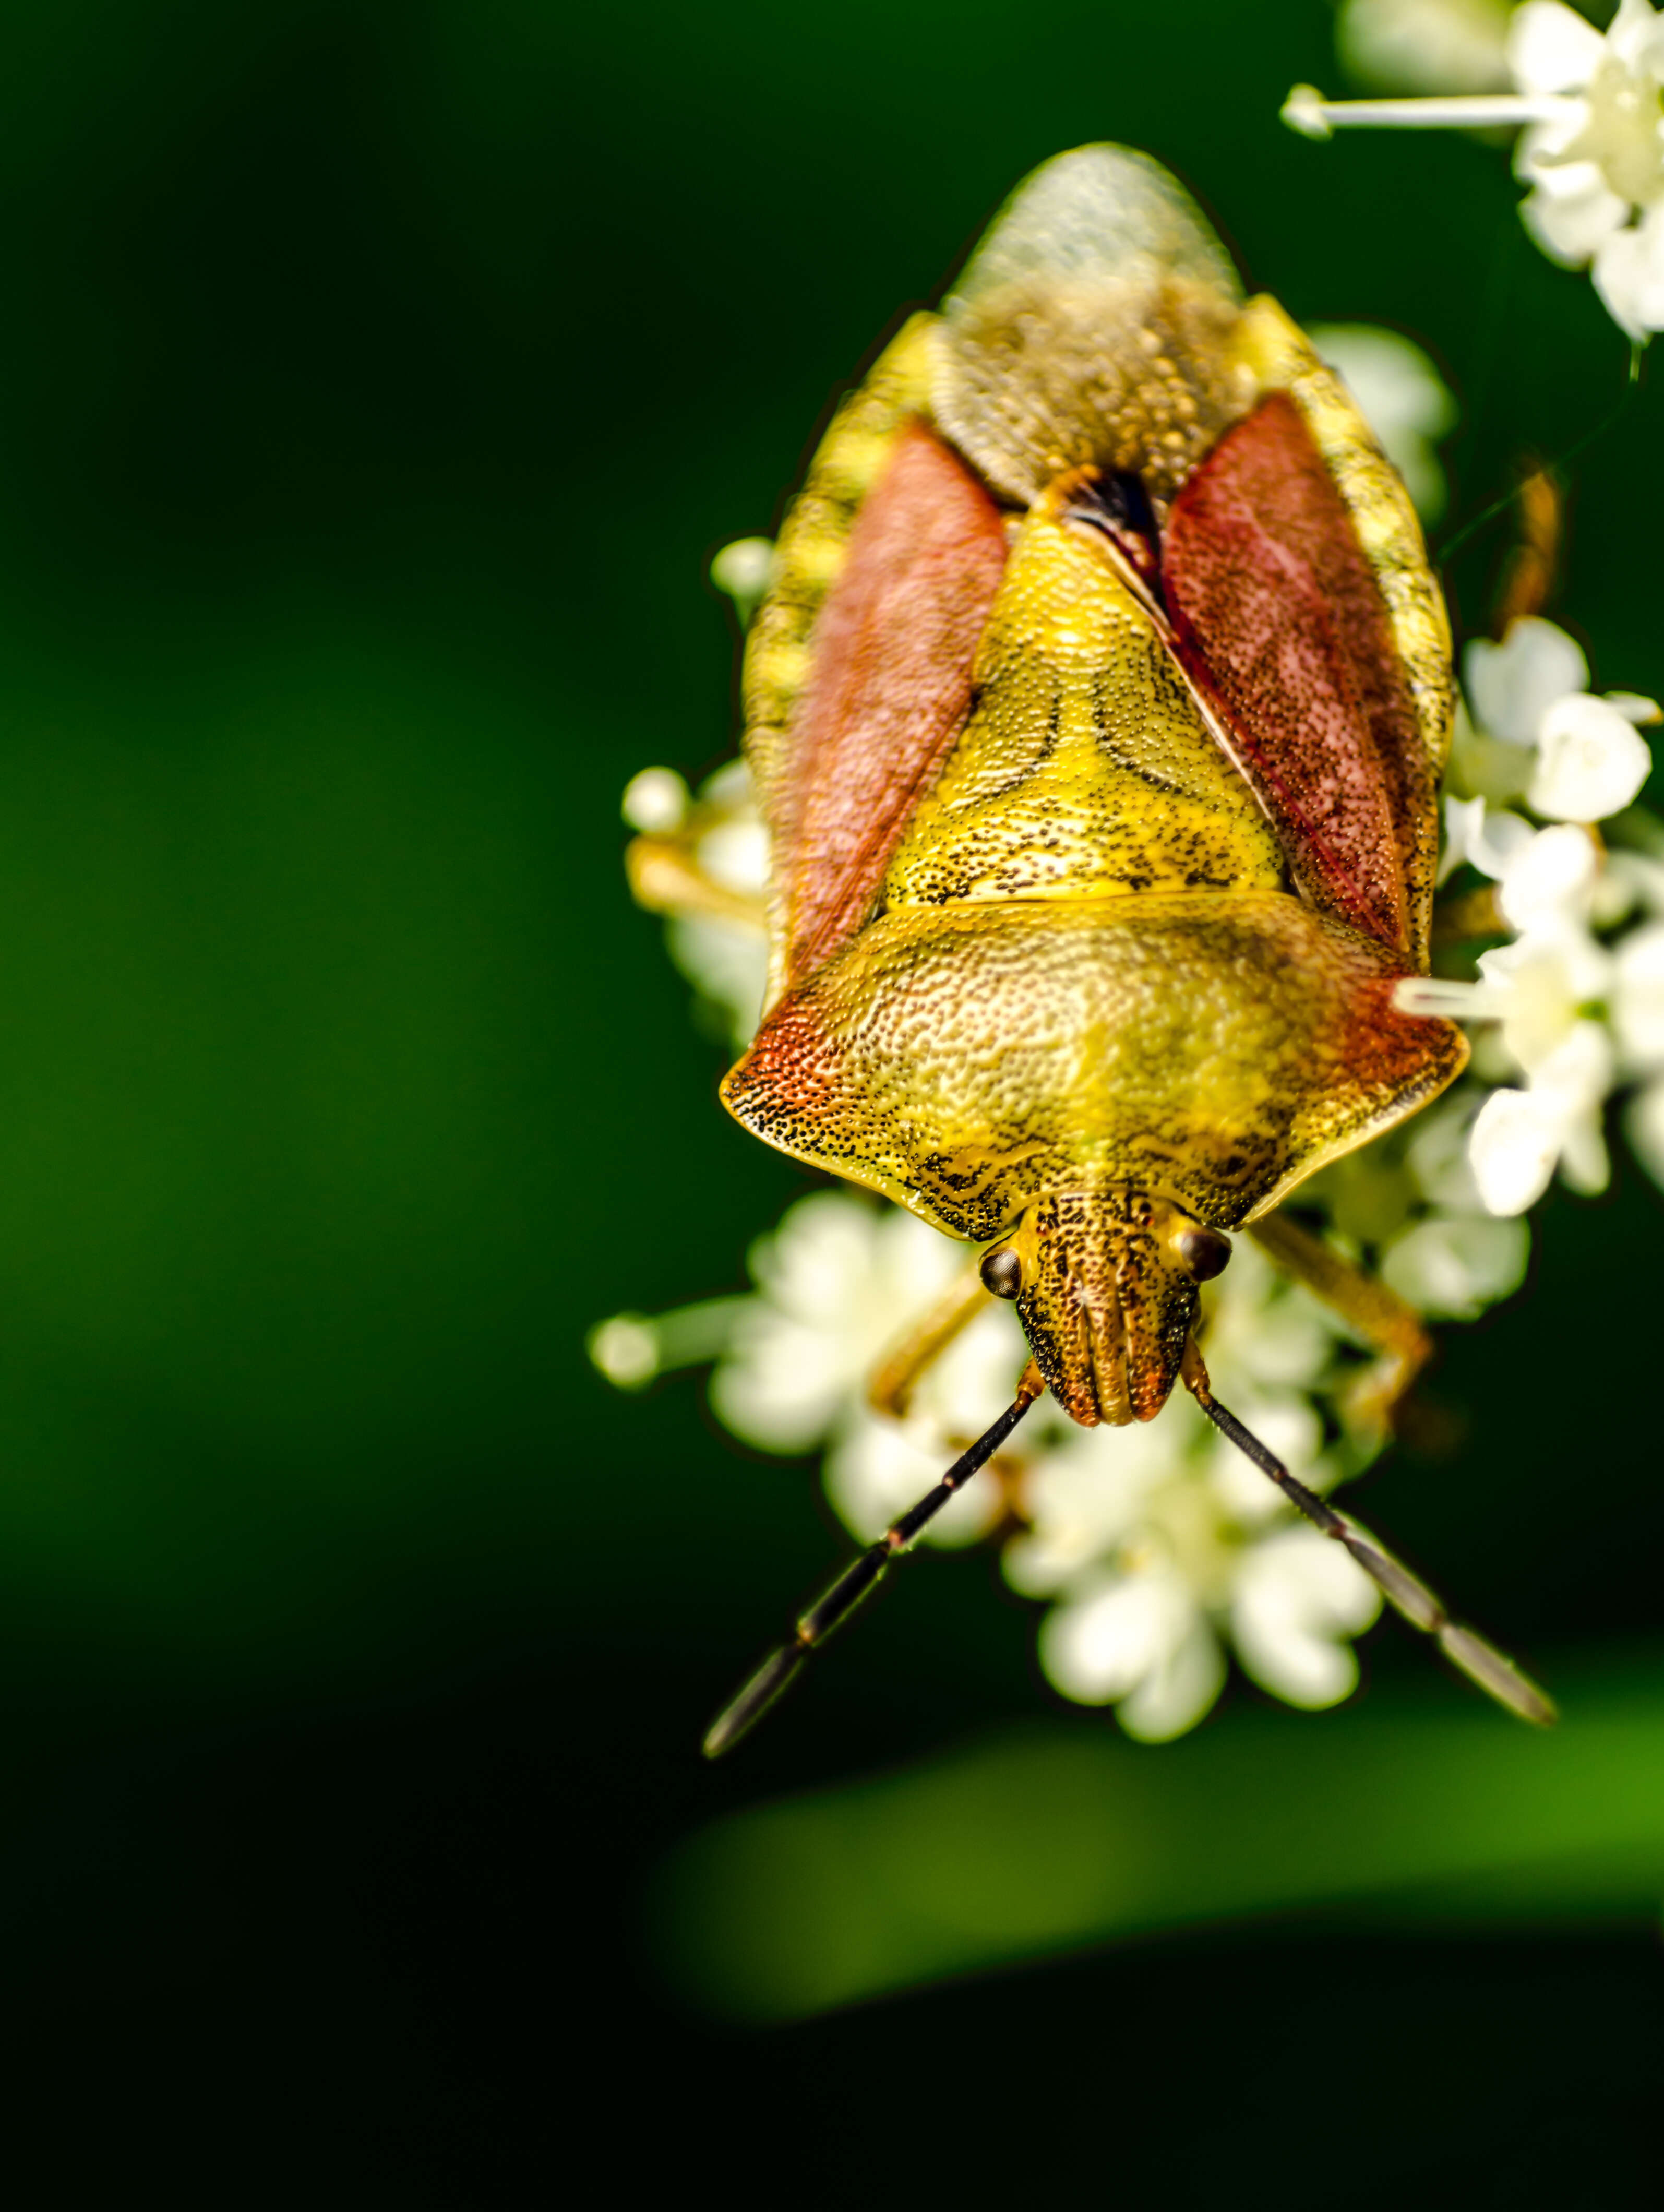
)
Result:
{"points": [[1277, 614], [889, 690]]}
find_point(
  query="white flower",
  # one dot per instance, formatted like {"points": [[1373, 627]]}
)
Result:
{"points": [[1628, 880], [837, 1282], [1531, 690], [1638, 1000], [1455, 1259], [1637, 1019], [1512, 685], [655, 801], [877, 1468], [743, 570], [1537, 984], [1161, 1543], [723, 955], [727, 964], [1520, 1136], [1540, 986], [1600, 162], [1177, 1573], [1452, 1267], [632, 1350], [1141, 1640], [1402, 397], [1475, 833], [1298, 1598], [1593, 149], [1546, 989]]}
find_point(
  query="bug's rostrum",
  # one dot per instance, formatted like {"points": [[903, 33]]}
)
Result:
{"points": [[1109, 1283]]}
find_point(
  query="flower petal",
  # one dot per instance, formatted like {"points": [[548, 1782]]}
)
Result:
{"points": [[1515, 1144], [1575, 1078], [1551, 48], [1635, 707], [1464, 821], [838, 1280], [1643, 1125], [1638, 1007], [1591, 760], [782, 1382], [1100, 1644], [1173, 1696], [1436, 1154], [1451, 1266], [736, 853], [1628, 275], [727, 964], [1296, 1596], [876, 1470], [1511, 686], [1572, 226], [1548, 880], [1502, 837], [1538, 984], [1636, 37], [1287, 1424]]}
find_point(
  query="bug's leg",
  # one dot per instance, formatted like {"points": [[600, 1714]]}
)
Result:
{"points": [[1479, 1659], [1460, 919], [841, 1596], [665, 878], [1527, 578], [1392, 1328], [889, 1389]]}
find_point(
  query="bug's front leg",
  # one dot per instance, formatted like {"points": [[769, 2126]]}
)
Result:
{"points": [[667, 877], [1392, 1328], [890, 1388]]}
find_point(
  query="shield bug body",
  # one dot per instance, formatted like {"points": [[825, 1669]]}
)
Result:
{"points": [[1097, 709]]}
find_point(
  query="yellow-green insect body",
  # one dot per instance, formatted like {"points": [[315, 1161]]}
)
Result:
{"points": [[1087, 915], [1095, 711]]}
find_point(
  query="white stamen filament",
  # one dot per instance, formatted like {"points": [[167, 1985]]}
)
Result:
{"points": [[1306, 110]]}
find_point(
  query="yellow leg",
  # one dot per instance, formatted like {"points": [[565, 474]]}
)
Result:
{"points": [[1528, 579], [898, 1373], [665, 878], [1386, 1323]]}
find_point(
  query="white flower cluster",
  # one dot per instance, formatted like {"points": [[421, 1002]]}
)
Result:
{"points": [[1589, 106], [1574, 999], [1159, 1547]]}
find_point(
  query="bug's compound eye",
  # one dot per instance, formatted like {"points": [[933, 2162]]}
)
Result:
{"points": [[1002, 1272], [1204, 1252]]}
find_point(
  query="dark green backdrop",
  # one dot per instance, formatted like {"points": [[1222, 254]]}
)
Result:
{"points": [[375, 383]]}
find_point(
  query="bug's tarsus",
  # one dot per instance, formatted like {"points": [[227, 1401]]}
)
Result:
{"points": [[1480, 1661], [849, 1588]]}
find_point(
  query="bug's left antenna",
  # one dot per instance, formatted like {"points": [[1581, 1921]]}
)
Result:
{"points": [[841, 1596], [1480, 1661]]}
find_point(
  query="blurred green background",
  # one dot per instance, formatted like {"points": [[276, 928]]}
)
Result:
{"points": [[377, 382]]}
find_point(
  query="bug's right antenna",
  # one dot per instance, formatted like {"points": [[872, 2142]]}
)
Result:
{"points": [[841, 1597], [1480, 1661]]}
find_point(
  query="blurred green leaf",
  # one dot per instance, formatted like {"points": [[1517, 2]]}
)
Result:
{"points": [[1052, 1837]]}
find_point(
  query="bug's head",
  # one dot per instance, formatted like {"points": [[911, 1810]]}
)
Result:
{"points": [[1106, 1284]]}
